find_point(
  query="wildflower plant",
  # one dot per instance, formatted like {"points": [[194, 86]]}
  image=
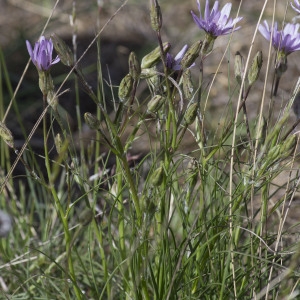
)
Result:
{"points": [[156, 194], [285, 42], [215, 22], [41, 54]]}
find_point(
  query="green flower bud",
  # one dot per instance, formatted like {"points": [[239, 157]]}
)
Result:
{"points": [[191, 55], [64, 52], [91, 120], [6, 135], [155, 103], [152, 58], [187, 84], [238, 67], [125, 88], [156, 16], [58, 143], [255, 67], [134, 66], [157, 176], [191, 113]]}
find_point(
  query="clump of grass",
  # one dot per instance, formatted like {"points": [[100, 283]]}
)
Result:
{"points": [[98, 220]]}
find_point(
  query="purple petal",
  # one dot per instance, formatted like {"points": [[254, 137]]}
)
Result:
{"points": [[181, 53], [216, 22], [29, 49]]}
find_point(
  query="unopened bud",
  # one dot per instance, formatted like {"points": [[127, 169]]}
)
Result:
{"points": [[64, 52], [91, 120], [134, 66], [6, 135], [125, 87], [187, 84], [238, 67], [191, 113], [255, 67], [148, 73], [152, 58], [155, 15], [155, 103], [58, 143], [191, 55], [157, 176]]}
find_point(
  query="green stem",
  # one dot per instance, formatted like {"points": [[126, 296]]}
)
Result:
{"points": [[59, 207]]}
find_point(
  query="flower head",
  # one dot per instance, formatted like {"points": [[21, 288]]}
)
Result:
{"points": [[174, 63], [286, 40], [296, 6], [216, 22], [41, 55]]}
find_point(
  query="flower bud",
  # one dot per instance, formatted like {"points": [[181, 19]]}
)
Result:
{"points": [[187, 84], [155, 103], [5, 133], [157, 176], [155, 15], [152, 58], [125, 88], [191, 55], [64, 52], [255, 67], [134, 66], [191, 113], [58, 143], [91, 120], [148, 73], [238, 67]]}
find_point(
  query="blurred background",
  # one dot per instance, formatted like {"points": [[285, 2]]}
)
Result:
{"points": [[130, 30]]}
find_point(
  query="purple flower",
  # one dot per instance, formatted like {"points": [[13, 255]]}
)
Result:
{"points": [[296, 6], [41, 55], [215, 22], [174, 63], [286, 40]]}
